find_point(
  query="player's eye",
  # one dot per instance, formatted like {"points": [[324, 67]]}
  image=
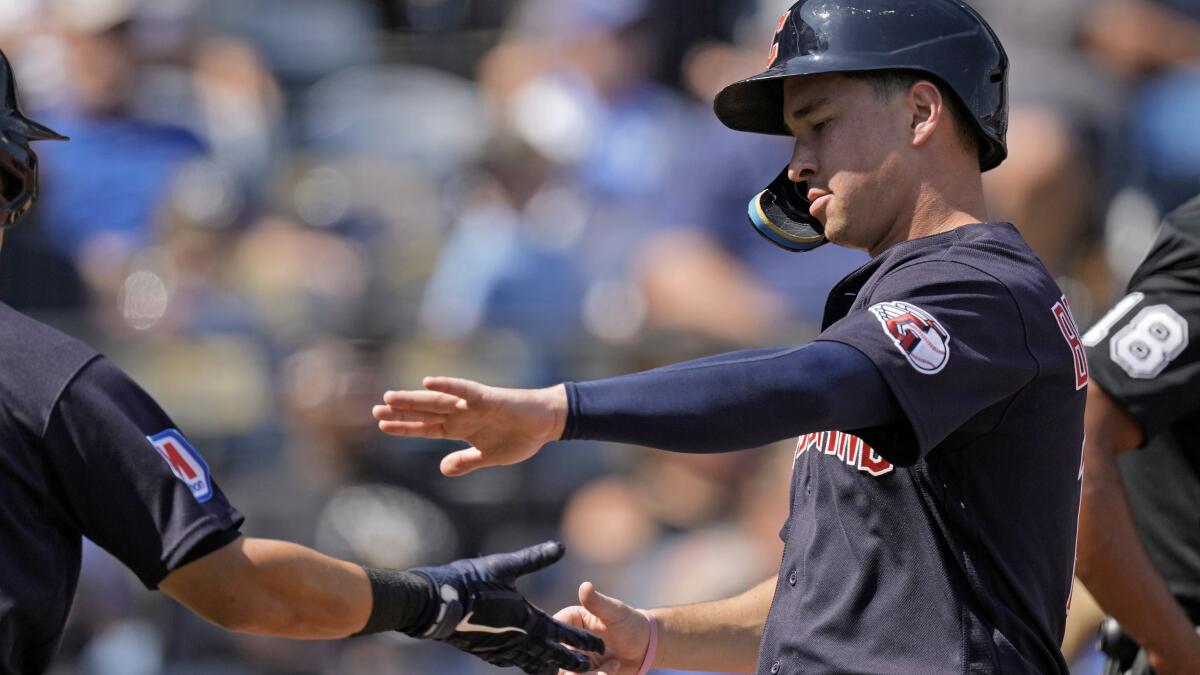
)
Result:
{"points": [[820, 126]]}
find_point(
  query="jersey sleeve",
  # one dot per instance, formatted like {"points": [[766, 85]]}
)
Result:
{"points": [[129, 480], [949, 341], [1144, 354]]}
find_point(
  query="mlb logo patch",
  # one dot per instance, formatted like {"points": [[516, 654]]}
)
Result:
{"points": [[187, 464], [920, 338]]}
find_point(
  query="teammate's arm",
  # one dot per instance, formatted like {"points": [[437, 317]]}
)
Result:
{"points": [[1113, 564], [723, 635], [727, 402]]}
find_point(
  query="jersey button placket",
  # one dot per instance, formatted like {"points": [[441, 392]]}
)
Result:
{"points": [[775, 668], [792, 578]]}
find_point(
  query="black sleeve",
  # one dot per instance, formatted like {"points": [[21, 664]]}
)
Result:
{"points": [[131, 481], [1144, 354], [733, 401], [1144, 351], [949, 341]]}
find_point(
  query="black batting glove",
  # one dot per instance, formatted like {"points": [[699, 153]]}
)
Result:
{"points": [[480, 611]]}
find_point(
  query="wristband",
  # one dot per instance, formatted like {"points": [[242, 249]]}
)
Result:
{"points": [[652, 647], [401, 601]]}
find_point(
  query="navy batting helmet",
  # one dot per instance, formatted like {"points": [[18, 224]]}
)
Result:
{"points": [[18, 162], [945, 39]]}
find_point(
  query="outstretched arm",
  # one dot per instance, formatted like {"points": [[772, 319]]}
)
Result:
{"points": [[726, 402], [283, 589], [1113, 564], [274, 588]]}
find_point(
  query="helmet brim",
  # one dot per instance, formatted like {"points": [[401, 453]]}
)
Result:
{"points": [[32, 131]]}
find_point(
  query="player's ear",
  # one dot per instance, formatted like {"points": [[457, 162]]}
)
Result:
{"points": [[927, 110]]}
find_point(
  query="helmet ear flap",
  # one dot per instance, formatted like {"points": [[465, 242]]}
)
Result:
{"points": [[18, 162], [19, 166], [780, 214], [18, 171]]}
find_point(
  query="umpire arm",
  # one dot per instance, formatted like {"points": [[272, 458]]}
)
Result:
{"points": [[274, 588], [1112, 562], [286, 590]]}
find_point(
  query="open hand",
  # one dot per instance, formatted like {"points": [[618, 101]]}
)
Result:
{"points": [[503, 426], [625, 631]]}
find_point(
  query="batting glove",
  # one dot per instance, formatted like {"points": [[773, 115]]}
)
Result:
{"points": [[482, 613]]}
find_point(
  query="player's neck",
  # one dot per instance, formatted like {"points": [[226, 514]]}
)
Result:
{"points": [[937, 207]]}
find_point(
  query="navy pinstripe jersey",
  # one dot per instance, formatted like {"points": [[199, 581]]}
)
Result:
{"points": [[943, 544]]}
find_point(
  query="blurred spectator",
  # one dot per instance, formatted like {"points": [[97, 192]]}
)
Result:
{"points": [[707, 271], [1154, 46], [235, 106], [1058, 149], [104, 188], [571, 183]]}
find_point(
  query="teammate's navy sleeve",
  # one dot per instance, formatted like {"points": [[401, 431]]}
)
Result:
{"points": [[949, 340], [129, 480], [733, 401], [1145, 352]]}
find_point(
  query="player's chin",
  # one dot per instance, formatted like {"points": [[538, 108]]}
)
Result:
{"points": [[835, 230]]}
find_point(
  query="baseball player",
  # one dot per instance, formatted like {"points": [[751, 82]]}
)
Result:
{"points": [[1143, 398], [85, 452], [936, 482]]}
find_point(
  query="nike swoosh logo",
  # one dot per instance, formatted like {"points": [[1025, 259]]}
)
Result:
{"points": [[465, 626]]}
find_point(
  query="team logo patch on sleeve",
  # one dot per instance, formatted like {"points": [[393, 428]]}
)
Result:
{"points": [[187, 464], [920, 338]]}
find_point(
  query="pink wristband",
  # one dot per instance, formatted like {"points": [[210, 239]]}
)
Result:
{"points": [[648, 661]]}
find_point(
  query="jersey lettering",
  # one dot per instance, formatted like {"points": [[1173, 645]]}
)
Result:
{"points": [[848, 448], [920, 338], [1148, 344], [183, 460], [1070, 332]]}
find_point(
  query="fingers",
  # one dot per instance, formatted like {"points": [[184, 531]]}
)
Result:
{"points": [[467, 390], [572, 616], [571, 635], [460, 462], [612, 667], [609, 610], [557, 655], [418, 429], [415, 413], [385, 413], [425, 401], [528, 560]]}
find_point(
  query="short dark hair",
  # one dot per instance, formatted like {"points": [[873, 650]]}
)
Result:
{"points": [[888, 83]]}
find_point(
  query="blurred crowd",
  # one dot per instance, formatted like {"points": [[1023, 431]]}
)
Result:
{"points": [[270, 212]]}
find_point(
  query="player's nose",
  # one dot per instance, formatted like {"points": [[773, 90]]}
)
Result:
{"points": [[803, 164]]}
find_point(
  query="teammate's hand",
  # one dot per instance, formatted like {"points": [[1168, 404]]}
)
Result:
{"points": [[504, 426], [626, 633], [483, 614]]}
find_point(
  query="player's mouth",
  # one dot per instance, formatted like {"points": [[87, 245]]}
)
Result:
{"points": [[819, 200]]}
